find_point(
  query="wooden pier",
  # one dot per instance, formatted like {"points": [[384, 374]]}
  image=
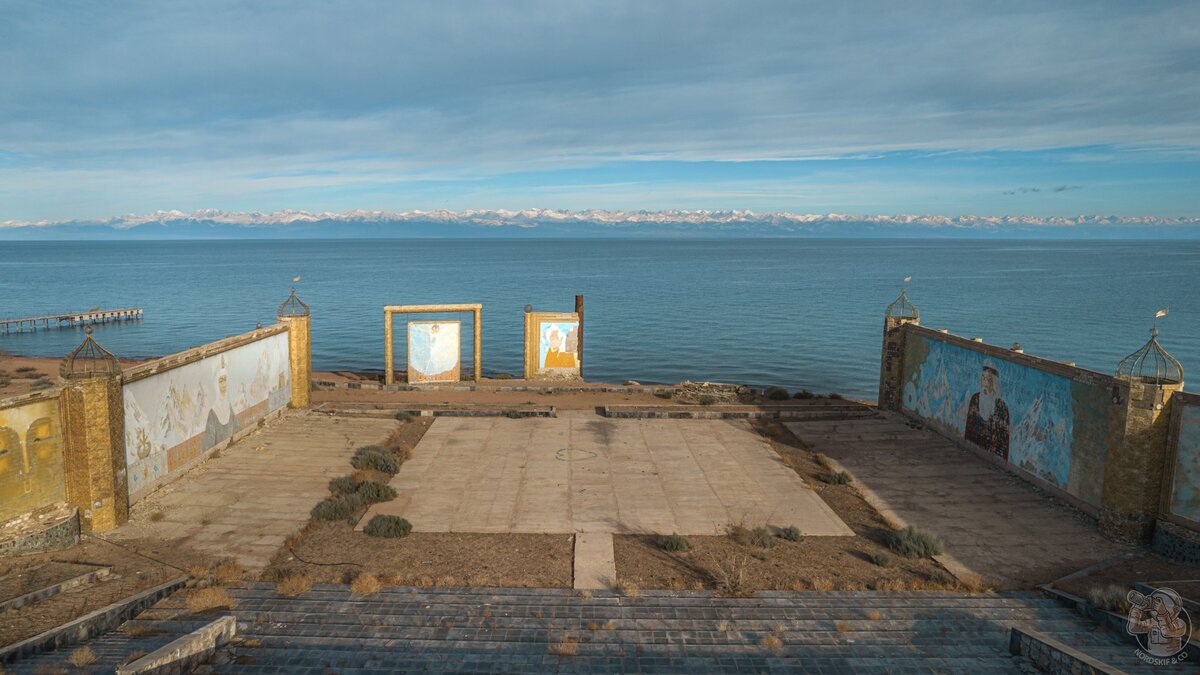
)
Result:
{"points": [[35, 323]]}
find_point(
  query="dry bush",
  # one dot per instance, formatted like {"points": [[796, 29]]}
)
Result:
{"points": [[822, 584], [199, 570], [628, 589], [567, 646], [477, 580], [773, 643], [821, 459], [228, 572], [82, 657], [294, 584], [799, 585], [874, 615], [851, 586], [395, 443], [212, 597], [892, 585], [1111, 597], [592, 625], [157, 516], [728, 572], [365, 584]]}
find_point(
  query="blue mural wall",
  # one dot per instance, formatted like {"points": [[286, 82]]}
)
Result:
{"points": [[1185, 497], [1020, 414]]}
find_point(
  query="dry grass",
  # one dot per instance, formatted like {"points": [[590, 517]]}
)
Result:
{"points": [[446, 580], [725, 626], [891, 585], [842, 627], [157, 516], [138, 630], [253, 643], [628, 589], [585, 595], [773, 643], [294, 584], [567, 646], [728, 572], [199, 570], [228, 572], [212, 597], [50, 669], [366, 584], [822, 584], [874, 615], [82, 657]]}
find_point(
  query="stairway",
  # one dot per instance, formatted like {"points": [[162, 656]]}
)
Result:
{"points": [[483, 630]]}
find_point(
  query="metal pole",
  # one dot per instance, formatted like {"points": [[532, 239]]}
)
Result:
{"points": [[579, 311]]}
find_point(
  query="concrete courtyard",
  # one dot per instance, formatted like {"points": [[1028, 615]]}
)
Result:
{"points": [[596, 475]]}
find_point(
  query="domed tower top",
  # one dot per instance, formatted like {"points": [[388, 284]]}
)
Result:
{"points": [[293, 306], [902, 307], [1151, 364], [89, 360]]}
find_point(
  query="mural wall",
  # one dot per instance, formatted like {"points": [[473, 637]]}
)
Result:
{"points": [[1185, 496], [552, 345], [31, 458], [1025, 416], [173, 417], [434, 351]]}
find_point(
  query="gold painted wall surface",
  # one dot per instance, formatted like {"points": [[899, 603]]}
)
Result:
{"points": [[31, 458]]}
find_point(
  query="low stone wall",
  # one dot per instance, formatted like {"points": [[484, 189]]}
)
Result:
{"points": [[1051, 656], [1177, 543]]}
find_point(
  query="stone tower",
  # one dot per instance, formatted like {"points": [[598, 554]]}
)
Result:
{"points": [[295, 314], [1136, 464], [94, 436], [891, 389]]}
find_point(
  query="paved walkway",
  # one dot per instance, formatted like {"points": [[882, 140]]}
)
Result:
{"points": [[994, 523], [599, 475], [503, 630], [245, 502]]}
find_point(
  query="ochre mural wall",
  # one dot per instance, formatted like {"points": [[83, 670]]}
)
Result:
{"points": [[1046, 424], [172, 418], [31, 458], [1185, 493]]}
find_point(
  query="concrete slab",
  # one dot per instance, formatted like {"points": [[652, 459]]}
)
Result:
{"points": [[580, 474], [993, 523], [245, 502], [595, 562]]}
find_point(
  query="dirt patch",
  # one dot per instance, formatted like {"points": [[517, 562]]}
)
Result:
{"points": [[23, 374], [131, 573], [823, 563], [1146, 568], [332, 552]]}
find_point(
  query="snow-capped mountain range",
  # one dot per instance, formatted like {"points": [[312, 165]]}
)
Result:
{"points": [[209, 223]]}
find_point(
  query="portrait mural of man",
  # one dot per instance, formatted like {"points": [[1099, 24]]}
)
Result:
{"points": [[987, 414], [560, 345]]}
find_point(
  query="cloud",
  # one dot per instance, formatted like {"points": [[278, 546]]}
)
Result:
{"points": [[193, 96], [1056, 188]]}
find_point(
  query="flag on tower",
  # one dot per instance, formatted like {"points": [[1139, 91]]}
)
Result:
{"points": [[1161, 313]]}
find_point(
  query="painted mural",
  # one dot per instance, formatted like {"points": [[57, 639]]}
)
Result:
{"points": [[31, 458], [434, 351], [1185, 497], [558, 347], [173, 417], [1020, 414]]}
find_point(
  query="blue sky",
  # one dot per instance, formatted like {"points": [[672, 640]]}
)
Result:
{"points": [[950, 108]]}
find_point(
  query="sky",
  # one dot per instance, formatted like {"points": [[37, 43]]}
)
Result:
{"points": [[949, 108]]}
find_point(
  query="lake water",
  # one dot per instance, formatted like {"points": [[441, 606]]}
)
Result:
{"points": [[796, 313]]}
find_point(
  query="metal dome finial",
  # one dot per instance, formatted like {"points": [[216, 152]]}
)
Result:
{"points": [[1151, 364], [293, 306], [902, 307], [89, 360]]}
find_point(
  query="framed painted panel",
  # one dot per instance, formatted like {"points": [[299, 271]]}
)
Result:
{"points": [[434, 351], [552, 345]]}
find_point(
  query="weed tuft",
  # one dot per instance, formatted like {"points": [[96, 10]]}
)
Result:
{"points": [[366, 584], [674, 542], [881, 559], [205, 599], [294, 584], [82, 657], [1111, 597], [791, 533]]}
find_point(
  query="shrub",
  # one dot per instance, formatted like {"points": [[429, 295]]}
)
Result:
{"points": [[294, 584], [776, 394], [665, 394], [212, 597], [337, 508], [388, 526], [882, 559], [365, 584], [26, 370], [674, 542], [837, 478], [913, 543], [503, 376], [761, 537], [42, 383], [342, 485], [1112, 598], [791, 533], [403, 417], [708, 399], [5, 380], [513, 414], [228, 572], [836, 396], [804, 394], [373, 493], [375, 457]]}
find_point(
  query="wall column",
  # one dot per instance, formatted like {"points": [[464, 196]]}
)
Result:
{"points": [[891, 361], [1138, 451], [295, 314], [93, 417]]}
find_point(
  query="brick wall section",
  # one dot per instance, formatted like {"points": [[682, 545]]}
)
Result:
{"points": [[891, 362], [93, 423], [300, 357]]}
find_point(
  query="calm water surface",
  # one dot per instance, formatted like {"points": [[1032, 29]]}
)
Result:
{"points": [[795, 313]]}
